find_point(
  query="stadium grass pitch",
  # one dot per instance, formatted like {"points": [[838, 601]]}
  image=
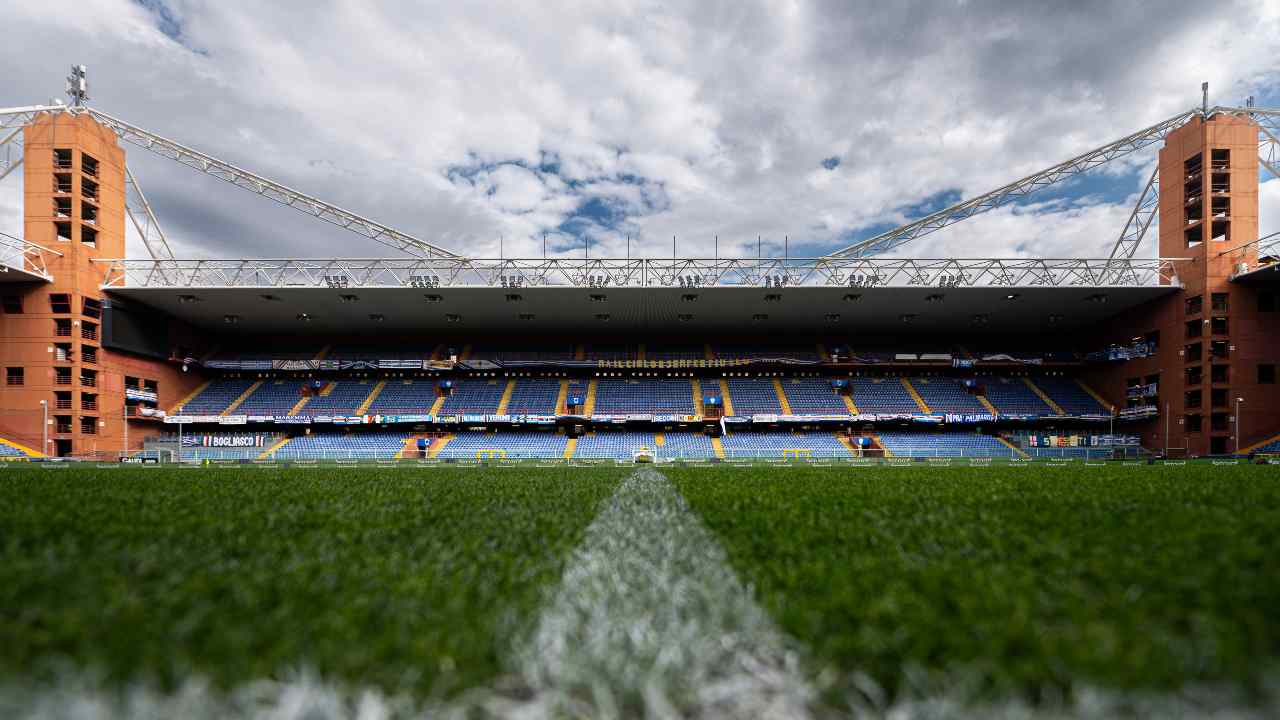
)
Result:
{"points": [[1011, 581]]}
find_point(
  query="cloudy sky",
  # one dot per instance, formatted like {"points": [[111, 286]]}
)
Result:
{"points": [[465, 122]]}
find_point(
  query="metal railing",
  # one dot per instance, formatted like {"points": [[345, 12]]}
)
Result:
{"points": [[601, 273]]}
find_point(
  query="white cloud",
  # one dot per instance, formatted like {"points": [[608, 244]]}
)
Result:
{"points": [[727, 109]]}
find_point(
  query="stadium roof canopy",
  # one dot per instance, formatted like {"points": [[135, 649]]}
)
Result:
{"points": [[787, 310]]}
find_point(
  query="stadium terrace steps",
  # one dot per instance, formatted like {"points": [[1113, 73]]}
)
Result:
{"points": [[718, 447], [563, 397], [782, 397], [696, 386], [1094, 394], [848, 403], [240, 400], [436, 405], [190, 396], [373, 395], [1012, 447], [659, 439], [324, 353], [707, 352], [911, 390], [847, 442], [505, 400], [9, 448], [887, 452], [725, 400], [1055, 407], [438, 444], [570, 446], [297, 407], [589, 403], [266, 454], [987, 404], [327, 390], [945, 444], [1269, 445]]}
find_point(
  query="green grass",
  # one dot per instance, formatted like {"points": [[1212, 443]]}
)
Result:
{"points": [[408, 581], [1020, 580]]}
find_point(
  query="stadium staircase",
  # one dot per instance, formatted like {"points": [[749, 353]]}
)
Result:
{"points": [[324, 353], [580, 352], [570, 446], [707, 352], [782, 397], [563, 397], [718, 447], [435, 406], [373, 395], [848, 403], [848, 444], [589, 404], [659, 439], [191, 396], [1092, 393], [1057, 409], [10, 449], [911, 390], [505, 400], [243, 396], [987, 404], [1243, 451], [266, 454], [1012, 447], [410, 449], [437, 445], [726, 402], [887, 452], [696, 384]]}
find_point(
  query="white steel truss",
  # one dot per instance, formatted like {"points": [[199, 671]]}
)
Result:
{"points": [[28, 257], [1144, 214], [638, 273], [144, 219], [270, 189], [1016, 190], [16, 118]]}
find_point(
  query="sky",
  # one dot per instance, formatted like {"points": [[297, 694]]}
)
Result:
{"points": [[600, 125]]}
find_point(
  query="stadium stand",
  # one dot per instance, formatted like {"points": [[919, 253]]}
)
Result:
{"points": [[534, 396], [405, 397], [883, 395], [616, 445], [751, 396], [344, 399], [474, 397], [620, 397], [812, 396], [511, 445], [685, 445], [774, 444], [947, 444], [1070, 396], [216, 397], [376, 445], [947, 395], [1270, 447], [7, 451], [1012, 396], [273, 397]]}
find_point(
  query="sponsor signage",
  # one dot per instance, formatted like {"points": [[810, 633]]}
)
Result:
{"points": [[140, 394], [233, 420]]}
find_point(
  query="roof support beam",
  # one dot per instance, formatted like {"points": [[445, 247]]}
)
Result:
{"points": [[1016, 190], [259, 185], [1140, 220]]}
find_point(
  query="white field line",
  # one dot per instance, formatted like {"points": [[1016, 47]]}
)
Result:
{"points": [[650, 621]]}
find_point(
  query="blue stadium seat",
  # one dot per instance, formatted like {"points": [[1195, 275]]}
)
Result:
{"points": [[404, 397], [474, 397], [513, 445], [812, 396], [534, 396], [644, 396], [752, 396], [944, 444], [883, 396], [216, 397], [345, 398], [273, 397], [772, 444], [616, 445], [1070, 396], [947, 395], [373, 445], [1012, 396]]}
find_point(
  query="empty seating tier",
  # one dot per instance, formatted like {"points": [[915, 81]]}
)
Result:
{"points": [[643, 396], [917, 444], [273, 397], [611, 445], [753, 396], [947, 395], [883, 396], [1072, 398], [217, 397], [344, 399], [404, 397], [1012, 396], [474, 397], [379, 445], [813, 396], [510, 445], [783, 444], [534, 396]]}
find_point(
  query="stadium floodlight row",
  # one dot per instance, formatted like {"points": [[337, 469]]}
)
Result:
{"points": [[99, 350]]}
